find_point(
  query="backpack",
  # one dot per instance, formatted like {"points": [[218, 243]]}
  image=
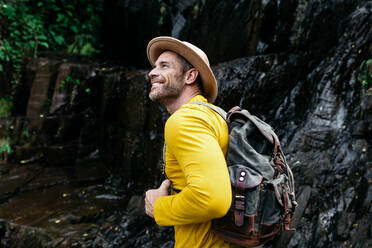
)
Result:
{"points": [[263, 194]]}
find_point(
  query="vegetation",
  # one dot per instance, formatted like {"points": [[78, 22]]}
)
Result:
{"points": [[4, 147], [68, 81], [365, 73], [28, 28], [5, 107], [166, 7]]}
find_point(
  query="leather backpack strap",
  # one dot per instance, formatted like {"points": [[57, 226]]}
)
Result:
{"points": [[216, 109], [239, 198]]}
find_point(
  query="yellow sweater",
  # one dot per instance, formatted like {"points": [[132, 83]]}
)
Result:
{"points": [[196, 143]]}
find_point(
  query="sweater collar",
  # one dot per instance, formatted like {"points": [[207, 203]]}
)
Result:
{"points": [[198, 98]]}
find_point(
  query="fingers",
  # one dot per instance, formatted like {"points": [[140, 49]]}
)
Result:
{"points": [[153, 194], [148, 205], [165, 184], [149, 211]]}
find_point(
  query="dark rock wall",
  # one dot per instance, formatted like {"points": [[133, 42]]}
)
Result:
{"points": [[78, 112], [301, 76], [224, 29], [127, 27], [131, 131]]}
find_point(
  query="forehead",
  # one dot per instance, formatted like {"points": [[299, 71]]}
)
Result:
{"points": [[168, 56]]}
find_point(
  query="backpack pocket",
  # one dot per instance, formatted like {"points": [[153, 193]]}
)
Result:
{"points": [[273, 205]]}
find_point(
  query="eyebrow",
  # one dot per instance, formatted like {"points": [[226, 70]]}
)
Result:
{"points": [[163, 62]]}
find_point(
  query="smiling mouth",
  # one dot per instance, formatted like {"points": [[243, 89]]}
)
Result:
{"points": [[156, 84]]}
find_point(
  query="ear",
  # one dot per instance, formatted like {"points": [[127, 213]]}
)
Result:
{"points": [[191, 76]]}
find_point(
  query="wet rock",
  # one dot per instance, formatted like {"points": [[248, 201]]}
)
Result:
{"points": [[310, 93], [22, 236], [303, 196], [363, 129], [61, 214], [344, 224], [26, 154], [131, 134], [367, 104], [61, 154], [141, 19], [252, 26], [363, 227], [45, 72], [136, 205]]}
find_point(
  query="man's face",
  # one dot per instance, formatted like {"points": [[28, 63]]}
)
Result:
{"points": [[166, 78]]}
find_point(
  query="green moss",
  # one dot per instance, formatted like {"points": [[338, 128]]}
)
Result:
{"points": [[6, 106], [365, 73]]}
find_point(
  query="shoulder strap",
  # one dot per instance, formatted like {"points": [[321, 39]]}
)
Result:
{"points": [[216, 109]]}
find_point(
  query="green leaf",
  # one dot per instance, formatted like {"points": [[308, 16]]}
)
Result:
{"points": [[87, 49], [42, 37], [60, 17], [74, 29], [7, 148], [162, 10], [160, 21], [31, 43], [368, 62], [68, 78], [44, 44], [59, 39]]}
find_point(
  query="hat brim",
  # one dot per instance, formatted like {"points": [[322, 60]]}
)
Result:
{"points": [[163, 43]]}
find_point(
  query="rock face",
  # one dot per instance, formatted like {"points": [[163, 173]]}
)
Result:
{"points": [[85, 122], [245, 28]]}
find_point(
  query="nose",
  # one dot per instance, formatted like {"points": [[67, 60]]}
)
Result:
{"points": [[153, 73]]}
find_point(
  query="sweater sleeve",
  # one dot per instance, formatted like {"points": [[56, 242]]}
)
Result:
{"points": [[207, 194]]}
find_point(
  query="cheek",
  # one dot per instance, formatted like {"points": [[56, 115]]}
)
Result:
{"points": [[169, 79]]}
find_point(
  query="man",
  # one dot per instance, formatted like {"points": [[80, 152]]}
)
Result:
{"points": [[196, 141]]}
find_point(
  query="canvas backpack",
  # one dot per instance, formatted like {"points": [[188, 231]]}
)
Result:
{"points": [[263, 194]]}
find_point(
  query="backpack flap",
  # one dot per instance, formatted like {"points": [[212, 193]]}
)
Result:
{"points": [[262, 126]]}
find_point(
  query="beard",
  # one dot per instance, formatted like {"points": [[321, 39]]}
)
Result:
{"points": [[163, 92]]}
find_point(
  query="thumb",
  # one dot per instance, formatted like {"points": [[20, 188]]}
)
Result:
{"points": [[165, 184]]}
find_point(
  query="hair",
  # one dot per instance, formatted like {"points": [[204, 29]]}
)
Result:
{"points": [[185, 66]]}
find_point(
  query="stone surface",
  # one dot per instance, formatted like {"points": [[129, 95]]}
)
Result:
{"points": [[245, 28], [111, 135]]}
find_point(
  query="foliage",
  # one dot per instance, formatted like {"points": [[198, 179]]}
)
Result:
{"points": [[29, 27], [5, 147], [68, 81], [365, 73], [167, 6], [5, 107]]}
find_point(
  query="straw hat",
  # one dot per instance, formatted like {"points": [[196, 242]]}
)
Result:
{"points": [[194, 55]]}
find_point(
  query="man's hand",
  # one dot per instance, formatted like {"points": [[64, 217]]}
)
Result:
{"points": [[153, 194]]}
